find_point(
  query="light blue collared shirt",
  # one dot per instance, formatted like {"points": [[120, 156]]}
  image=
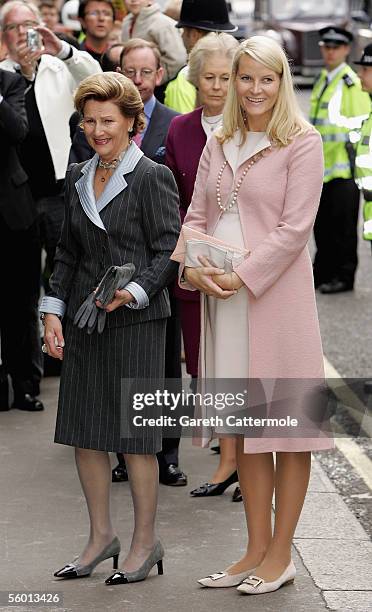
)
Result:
{"points": [[148, 110]]}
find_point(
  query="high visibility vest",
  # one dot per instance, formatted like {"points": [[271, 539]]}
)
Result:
{"points": [[335, 110], [180, 94], [363, 173]]}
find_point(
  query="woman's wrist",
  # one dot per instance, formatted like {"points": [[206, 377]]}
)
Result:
{"points": [[44, 316]]}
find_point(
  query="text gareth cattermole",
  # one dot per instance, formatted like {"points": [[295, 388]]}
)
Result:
{"points": [[173, 400]]}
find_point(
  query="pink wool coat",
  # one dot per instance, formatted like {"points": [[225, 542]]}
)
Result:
{"points": [[278, 201]]}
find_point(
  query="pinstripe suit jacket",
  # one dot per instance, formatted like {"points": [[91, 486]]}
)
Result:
{"points": [[138, 222]]}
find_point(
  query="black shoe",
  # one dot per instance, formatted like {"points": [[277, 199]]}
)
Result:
{"points": [[27, 402], [237, 495], [74, 570], [336, 286], [216, 449], [154, 558], [211, 489], [173, 476], [119, 474]]}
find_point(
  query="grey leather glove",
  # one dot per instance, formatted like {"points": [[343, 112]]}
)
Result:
{"points": [[86, 310], [89, 315], [116, 277]]}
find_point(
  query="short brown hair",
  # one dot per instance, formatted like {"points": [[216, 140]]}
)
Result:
{"points": [[83, 5], [48, 4], [140, 43], [112, 87]]}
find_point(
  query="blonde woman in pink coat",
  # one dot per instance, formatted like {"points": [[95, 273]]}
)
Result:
{"points": [[258, 187]]}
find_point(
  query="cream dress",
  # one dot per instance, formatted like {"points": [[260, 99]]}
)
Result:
{"points": [[227, 331]]}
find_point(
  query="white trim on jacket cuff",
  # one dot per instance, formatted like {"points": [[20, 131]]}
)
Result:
{"points": [[139, 294], [52, 305]]}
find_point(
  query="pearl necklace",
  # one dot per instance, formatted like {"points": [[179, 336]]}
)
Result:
{"points": [[214, 119], [234, 194]]}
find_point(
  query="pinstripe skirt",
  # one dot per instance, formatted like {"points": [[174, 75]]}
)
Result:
{"points": [[93, 409]]}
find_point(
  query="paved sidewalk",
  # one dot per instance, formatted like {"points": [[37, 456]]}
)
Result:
{"points": [[43, 525]]}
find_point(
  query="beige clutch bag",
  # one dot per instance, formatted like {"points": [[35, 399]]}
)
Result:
{"points": [[219, 257], [193, 244]]}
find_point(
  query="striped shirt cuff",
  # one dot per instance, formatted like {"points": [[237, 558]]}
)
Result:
{"points": [[139, 294], [52, 305]]}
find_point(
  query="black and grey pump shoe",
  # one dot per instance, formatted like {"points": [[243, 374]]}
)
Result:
{"points": [[210, 489], [154, 558], [74, 570]]}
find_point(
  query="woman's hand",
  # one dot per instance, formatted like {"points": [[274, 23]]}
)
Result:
{"points": [[121, 298], [205, 278], [53, 336], [229, 281]]}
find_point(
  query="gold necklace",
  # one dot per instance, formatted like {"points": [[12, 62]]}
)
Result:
{"points": [[111, 165], [103, 178]]}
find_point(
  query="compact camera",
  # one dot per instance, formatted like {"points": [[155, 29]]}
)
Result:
{"points": [[33, 40]]}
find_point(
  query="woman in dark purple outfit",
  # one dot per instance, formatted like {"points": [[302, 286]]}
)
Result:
{"points": [[209, 70]]}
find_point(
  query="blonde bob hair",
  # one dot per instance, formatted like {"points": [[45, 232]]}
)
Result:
{"points": [[286, 121], [112, 87], [214, 43]]}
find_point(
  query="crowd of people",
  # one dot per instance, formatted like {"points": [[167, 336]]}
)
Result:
{"points": [[128, 129]]}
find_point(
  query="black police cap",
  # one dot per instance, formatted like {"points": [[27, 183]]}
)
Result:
{"points": [[366, 59], [335, 36]]}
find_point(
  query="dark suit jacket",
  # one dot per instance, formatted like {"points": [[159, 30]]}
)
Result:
{"points": [[16, 204], [153, 143], [141, 225]]}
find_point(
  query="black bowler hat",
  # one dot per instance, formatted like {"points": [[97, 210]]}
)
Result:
{"points": [[366, 59], [334, 37], [210, 15]]}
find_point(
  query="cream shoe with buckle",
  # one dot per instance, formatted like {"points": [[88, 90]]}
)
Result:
{"points": [[254, 585], [223, 579]]}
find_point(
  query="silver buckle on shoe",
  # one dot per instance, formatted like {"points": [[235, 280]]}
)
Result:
{"points": [[253, 581], [217, 576]]}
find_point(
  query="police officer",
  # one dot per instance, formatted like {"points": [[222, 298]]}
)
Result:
{"points": [[338, 107], [363, 161]]}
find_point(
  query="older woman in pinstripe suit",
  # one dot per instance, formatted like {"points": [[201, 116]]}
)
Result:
{"points": [[120, 207]]}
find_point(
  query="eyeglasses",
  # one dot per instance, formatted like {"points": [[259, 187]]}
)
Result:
{"points": [[12, 27], [145, 73], [105, 14]]}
